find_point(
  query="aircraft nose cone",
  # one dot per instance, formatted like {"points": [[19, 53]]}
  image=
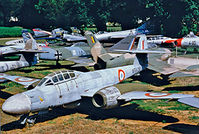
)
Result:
{"points": [[17, 104]]}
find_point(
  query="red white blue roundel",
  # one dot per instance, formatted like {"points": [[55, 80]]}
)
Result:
{"points": [[23, 79], [157, 94], [121, 75]]}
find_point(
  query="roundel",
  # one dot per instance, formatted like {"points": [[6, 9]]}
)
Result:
{"points": [[22, 79], [157, 94], [121, 75]]}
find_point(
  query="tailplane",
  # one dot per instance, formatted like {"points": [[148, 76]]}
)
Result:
{"points": [[139, 46]]}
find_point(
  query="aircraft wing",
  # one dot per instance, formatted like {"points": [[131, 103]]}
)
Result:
{"points": [[158, 65], [19, 79], [190, 71], [73, 38], [84, 64], [118, 36], [192, 101], [185, 74], [80, 60], [139, 95]]}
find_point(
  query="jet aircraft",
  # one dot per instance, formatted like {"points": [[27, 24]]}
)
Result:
{"points": [[103, 59], [190, 40], [146, 28], [28, 56], [69, 87], [41, 33]]}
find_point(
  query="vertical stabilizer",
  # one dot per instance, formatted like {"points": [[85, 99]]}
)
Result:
{"points": [[141, 59], [96, 47]]}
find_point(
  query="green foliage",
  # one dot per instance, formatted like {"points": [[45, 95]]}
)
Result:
{"points": [[177, 17]]}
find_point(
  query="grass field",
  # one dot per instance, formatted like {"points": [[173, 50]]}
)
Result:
{"points": [[138, 116]]}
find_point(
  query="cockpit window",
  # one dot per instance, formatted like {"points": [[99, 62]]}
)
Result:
{"points": [[42, 81], [49, 82], [60, 77], [55, 79], [66, 76], [72, 75]]}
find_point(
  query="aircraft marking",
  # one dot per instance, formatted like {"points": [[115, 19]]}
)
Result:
{"points": [[133, 42], [121, 75], [41, 99], [143, 45], [22, 79], [93, 40], [157, 94]]}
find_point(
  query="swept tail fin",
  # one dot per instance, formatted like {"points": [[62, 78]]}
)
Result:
{"points": [[96, 47]]}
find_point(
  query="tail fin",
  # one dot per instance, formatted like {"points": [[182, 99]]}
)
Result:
{"points": [[141, 59], [30, 42], [31, 48], [96, 48]]}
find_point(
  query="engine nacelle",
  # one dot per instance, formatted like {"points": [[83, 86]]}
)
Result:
{"points": [[106, 98]]}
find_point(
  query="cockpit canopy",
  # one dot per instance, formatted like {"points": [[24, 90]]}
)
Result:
{"points": [[57, 77]]}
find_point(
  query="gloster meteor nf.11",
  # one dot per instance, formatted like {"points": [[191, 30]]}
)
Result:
{"points": [[69, 87]]}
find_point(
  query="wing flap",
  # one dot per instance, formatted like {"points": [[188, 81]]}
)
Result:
{"points": [[136, 95]]}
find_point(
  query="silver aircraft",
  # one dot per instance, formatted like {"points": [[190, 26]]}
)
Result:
{"points": [[112, 36], [69, 87]]}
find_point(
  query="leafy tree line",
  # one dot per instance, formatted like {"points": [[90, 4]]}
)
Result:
{"points": [[177, 17]]}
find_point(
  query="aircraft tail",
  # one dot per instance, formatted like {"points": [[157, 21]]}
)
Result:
{"points": [[96, 47], [31, 49], [141, 59], [139, 46]]}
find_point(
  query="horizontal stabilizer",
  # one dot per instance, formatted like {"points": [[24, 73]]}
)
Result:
{"points": [[136, 95], [192, 101], [32, 51], [80, 60], [185, 74], [84, 64], [141, 51]]}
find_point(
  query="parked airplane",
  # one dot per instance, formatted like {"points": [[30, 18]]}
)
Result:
{"points": [[190, 40], [78, 52], [28, 56], [16, 46], [41, 33], [103, 59], [68, 87], [146, 28]]}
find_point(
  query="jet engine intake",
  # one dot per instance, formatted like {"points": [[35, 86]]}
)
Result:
{"points": [[106, 98]]}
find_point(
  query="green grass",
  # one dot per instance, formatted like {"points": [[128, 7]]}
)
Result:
{"points": [[157, 105], [194, 117]]}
